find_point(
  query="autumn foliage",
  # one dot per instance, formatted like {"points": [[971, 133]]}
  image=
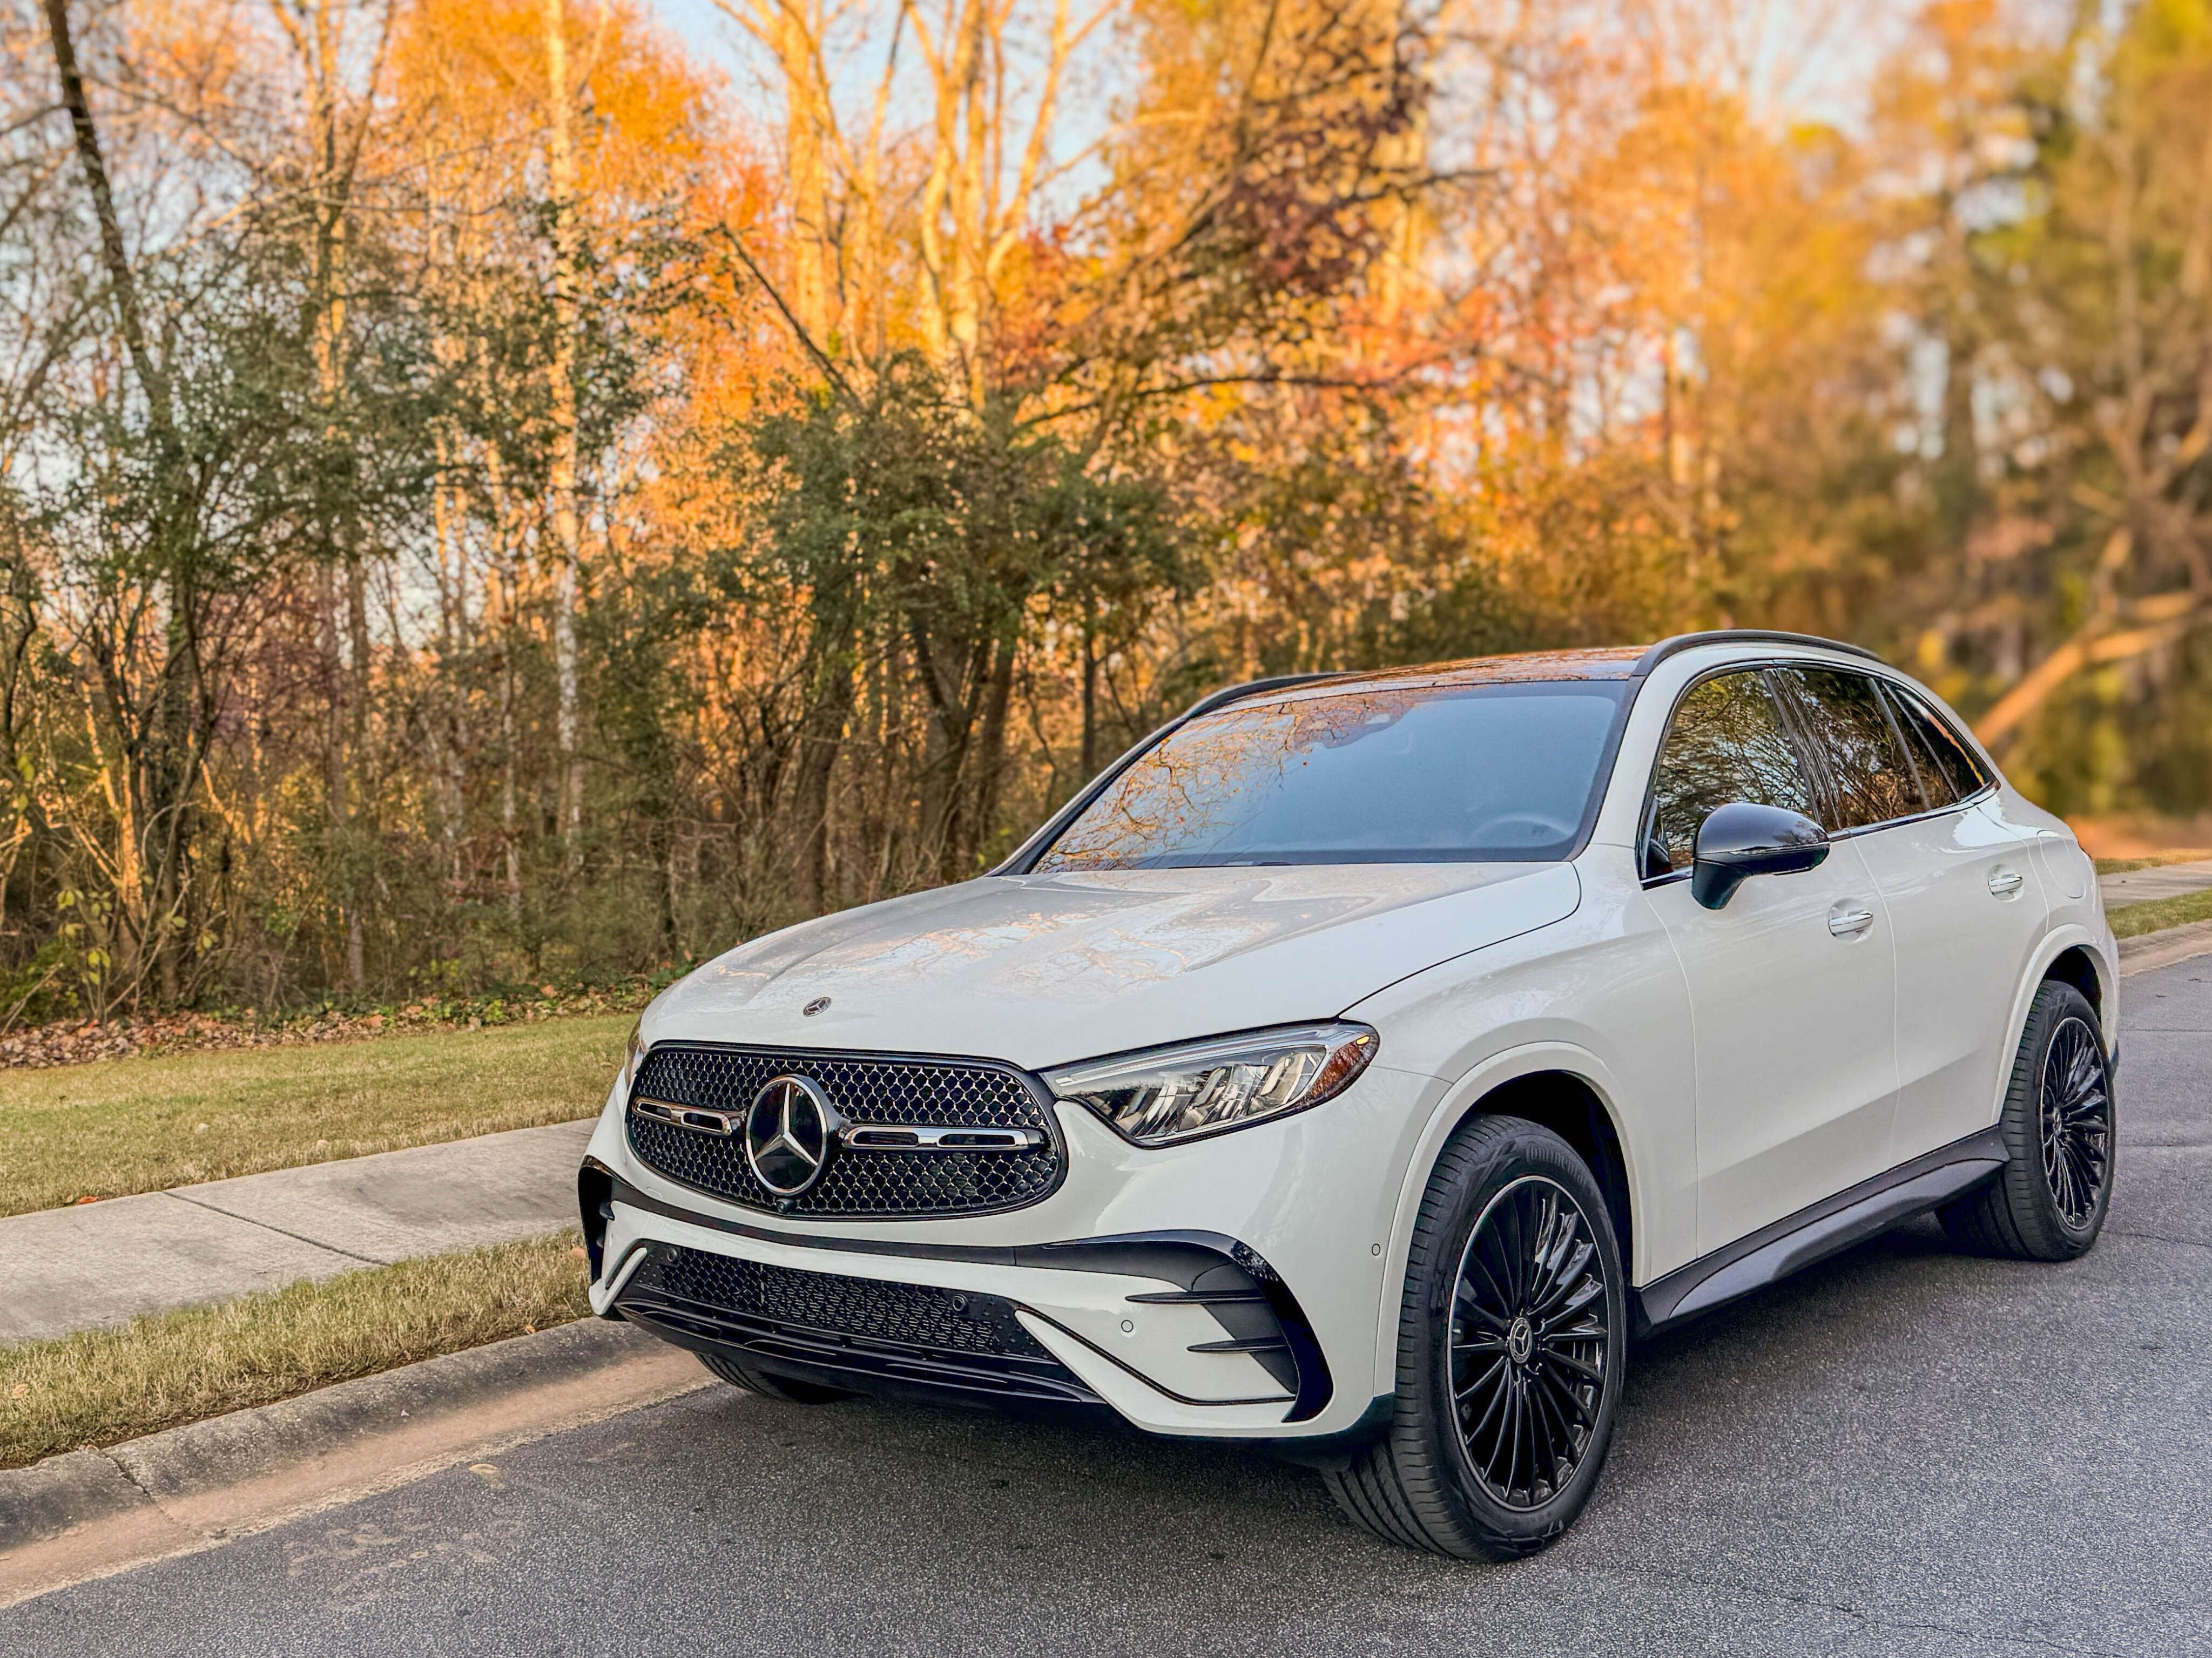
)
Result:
{"points": [[488, 494]]}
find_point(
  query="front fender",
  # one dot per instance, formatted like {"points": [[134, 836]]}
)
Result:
{"points": [[1452, 1104]]}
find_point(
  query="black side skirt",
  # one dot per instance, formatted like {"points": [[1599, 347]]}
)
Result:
{"points": [[1820, 1231]]}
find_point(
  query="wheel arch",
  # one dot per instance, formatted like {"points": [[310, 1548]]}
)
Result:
{"points": [[1556, 1086], [2076, 966], [1572, 1107], [2071, 956]]}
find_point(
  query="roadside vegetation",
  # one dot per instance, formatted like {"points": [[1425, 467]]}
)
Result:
{"points": [[2156, 860], [492, 494], [75, 1042], [2132, 920], [121, 1126], [101, 1386]]}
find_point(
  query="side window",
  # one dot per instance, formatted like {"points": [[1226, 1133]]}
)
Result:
{"points": [[1842, 713], [1726, 741], [1948, 767]]}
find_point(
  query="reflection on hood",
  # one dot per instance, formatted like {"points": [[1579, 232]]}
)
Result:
{"points": [[1042, 968]]}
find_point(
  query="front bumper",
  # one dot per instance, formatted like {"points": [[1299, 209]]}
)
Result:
{"points": [[1230, 1288]]}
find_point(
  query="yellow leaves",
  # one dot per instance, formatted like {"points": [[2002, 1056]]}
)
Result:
{"points": [[471, 74]]}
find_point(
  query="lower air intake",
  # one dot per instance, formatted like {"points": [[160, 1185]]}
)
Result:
{"points": [[870, 1332]]}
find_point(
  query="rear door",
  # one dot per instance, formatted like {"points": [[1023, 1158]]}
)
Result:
{"points": [[1791, 986], [1959, 888]]}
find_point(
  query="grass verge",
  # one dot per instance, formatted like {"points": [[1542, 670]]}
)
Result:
{"points": [[2156, 860], [101, 1386], [2132, 920], [138, 1124]]}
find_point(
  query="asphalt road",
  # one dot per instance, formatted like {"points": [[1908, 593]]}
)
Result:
{"points": [[1904, 1451]]}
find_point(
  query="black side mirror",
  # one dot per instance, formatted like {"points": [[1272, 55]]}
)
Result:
{"points": [[1740, 839]]}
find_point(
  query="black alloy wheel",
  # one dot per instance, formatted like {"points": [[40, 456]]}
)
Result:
{"points": [[1512, 1351], [2049, 1201], [2076, 1120], [1526, 1360]]}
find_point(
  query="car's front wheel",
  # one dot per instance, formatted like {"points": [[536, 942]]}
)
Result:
{"points": [[1512, 1345]]}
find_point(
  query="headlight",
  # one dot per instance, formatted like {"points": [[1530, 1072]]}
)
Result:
{"points": [[632, 1053], [1170, 1094]]}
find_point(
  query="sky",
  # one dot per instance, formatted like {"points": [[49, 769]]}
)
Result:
{"points": [[1830, 83]]}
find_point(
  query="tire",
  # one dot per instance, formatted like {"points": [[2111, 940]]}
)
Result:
{"points": [[1424, 1485], [791, 1392], [2050, 1202]]}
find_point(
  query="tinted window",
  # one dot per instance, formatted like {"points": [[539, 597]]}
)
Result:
{"points": [[1726, 741], [1873, 779], [1372, 776], [1948, 768]]}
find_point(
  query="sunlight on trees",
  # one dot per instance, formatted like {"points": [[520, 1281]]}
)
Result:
{"points": [[485, 496]]}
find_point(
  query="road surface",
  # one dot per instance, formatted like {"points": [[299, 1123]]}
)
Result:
{"points": [[1903, 1451]]}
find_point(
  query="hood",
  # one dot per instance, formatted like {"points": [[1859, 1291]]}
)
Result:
{"points": [[1042, 969]]}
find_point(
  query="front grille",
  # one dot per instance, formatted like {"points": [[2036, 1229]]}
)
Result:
{"points": [[857, 1183], [867, 1329]]}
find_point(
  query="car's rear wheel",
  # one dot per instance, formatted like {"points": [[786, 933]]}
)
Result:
{"points": [[2049, 1203], [1512, 1343], [786, 1389]]}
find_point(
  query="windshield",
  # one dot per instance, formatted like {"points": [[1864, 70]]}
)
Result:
{"points": [[1433, 773]]}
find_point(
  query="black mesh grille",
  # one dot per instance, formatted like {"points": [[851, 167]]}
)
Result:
{"points": [[915, 1315], [856, 1183], [858, 1332]]}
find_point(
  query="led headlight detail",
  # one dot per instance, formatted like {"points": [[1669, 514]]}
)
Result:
{"points": [[631, 1054], [1170, 1094]]}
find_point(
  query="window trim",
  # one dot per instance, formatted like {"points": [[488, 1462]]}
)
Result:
{"points": [[1025, 858], [1813, 762], [1985, 768], [1814, 776], [1961, 804], [1886, 699], [1809, 741]]}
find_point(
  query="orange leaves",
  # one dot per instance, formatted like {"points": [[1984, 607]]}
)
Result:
{"points": [[471, 78]]}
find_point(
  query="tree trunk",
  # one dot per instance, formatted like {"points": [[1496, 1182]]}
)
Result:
{"points": [[356, 738], [164, 773], [828, 678], [990, 763], [1089, 691], [805, 121], [568, 528], [336, 806]]}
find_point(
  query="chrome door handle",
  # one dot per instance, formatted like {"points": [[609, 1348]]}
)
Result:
{"points": [[2006, 882], [1847, 921]]}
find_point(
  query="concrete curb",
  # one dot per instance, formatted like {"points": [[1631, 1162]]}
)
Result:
{"points": [[2164, 948], [99, 1264], [91, 1513]]}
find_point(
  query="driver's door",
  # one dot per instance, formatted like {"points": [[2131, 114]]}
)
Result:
{"points": [[1791, 984]]}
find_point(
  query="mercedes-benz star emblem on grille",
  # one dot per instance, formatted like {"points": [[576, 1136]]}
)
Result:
{"points": [[789, 1128]]}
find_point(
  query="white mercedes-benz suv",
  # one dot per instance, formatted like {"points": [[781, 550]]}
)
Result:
{"points": [[1363, 1062]]}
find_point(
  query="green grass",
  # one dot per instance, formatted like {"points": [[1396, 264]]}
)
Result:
{"points": [[2159, 860], [139, 1124], [100, 1387], [2132, 920]]}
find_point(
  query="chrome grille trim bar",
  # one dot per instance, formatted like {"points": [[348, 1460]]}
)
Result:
{"points": [[859, 1137], [932, 1137]]}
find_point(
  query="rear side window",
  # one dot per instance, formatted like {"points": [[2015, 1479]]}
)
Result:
{"points": [[1872, 779], [1948, 768], [1726, 741]]}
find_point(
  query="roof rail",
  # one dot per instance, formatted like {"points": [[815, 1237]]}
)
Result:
{"points": [[1227, 694], [1680, 642]]}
